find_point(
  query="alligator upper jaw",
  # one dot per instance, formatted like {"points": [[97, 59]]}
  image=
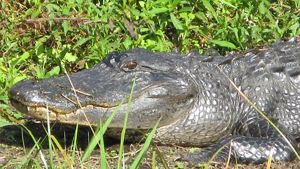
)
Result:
{"points": [[79, 116], [89, 87]]}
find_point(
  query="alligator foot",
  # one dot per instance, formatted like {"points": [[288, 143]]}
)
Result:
{"points": [[242, 149], [216, 153], [203, 157]]}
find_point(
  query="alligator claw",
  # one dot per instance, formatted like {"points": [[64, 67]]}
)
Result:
{"points": [[203, 156], [193, 159]]}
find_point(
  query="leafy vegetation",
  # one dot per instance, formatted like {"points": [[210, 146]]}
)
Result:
{"points": [[40, 39]]}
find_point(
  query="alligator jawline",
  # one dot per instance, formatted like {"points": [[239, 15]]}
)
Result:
{"points": [[42, 112]]}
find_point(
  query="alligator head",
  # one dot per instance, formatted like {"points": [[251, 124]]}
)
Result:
{"points": [[162, 90]]}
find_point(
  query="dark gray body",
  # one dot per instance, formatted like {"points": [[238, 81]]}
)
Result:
{"points": [[193, 95]]}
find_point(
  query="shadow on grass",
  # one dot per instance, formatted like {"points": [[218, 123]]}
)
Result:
{"points": [[15, 135]]}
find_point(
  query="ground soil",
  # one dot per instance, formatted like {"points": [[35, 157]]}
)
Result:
{"points": [[15, 146]]}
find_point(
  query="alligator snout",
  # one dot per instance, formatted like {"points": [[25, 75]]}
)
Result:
{"points": [[44, 93], [25, 92]]}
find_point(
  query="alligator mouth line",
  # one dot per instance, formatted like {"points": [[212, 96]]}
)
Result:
{"points": [[42, 112], [78, 103]]}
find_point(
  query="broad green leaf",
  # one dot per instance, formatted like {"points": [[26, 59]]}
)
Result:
{"points": [[224, 44], [19, 78], [158, 10], [66, 27], [21, 59], [66, 10], [127, 43], [209, 7], [53, 71], [201, 16], [175, 3], [40, 72], [142, 4], [35, 13], [70, 57], [176, 22], [53, 7], [295, 26], [227, 3], [79, 1], [262, 8], [82, 41]]}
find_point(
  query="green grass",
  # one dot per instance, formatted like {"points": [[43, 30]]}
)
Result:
{"points": [[121, 150], [40, 39]]}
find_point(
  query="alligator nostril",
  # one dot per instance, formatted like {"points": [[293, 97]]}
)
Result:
{"points": [[24, 92]]}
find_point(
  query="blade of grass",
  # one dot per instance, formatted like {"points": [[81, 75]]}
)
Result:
{"points": [[147, 143], [43, 159], [96, 138], [121, 150], [36, 142], [153, 164], [74, 142], [38, 146], [3, 124], [23, 141], [209, 7], [27, 157], [229, 155], [36, 163], [103, 160], [210, 161], [62, 151], [162, 158], [49, 137], [77, 99], [270, 159], [10, 119]]}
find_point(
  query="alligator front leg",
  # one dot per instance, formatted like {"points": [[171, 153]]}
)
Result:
{"points": [[259, 141]]}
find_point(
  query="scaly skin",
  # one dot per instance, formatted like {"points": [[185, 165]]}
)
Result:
{"points": [[192, 95]]}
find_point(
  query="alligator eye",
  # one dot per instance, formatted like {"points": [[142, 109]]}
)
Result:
{"points": [[131, 65]]}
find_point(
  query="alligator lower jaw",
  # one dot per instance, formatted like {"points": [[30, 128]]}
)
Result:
{"points": [[76, 117]]}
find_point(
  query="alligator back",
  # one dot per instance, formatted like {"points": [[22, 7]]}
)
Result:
{"points": [[271, 78]]}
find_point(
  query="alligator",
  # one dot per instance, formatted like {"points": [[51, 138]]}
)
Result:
{"points": [[196, 99]]}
